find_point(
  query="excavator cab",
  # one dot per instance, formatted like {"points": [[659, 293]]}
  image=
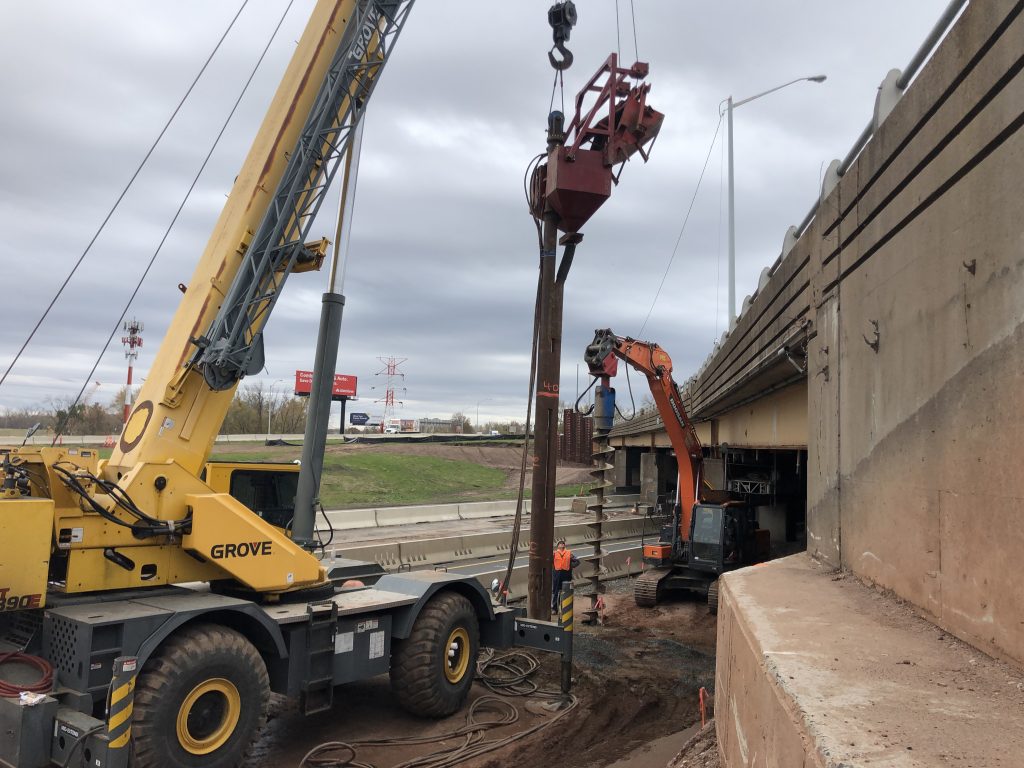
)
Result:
{"points": [[724, 537]]}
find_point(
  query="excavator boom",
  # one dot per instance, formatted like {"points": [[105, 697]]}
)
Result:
{"points": [[655, 364]]}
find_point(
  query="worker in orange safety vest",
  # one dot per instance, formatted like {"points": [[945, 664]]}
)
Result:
{"points": [[564, 563]]}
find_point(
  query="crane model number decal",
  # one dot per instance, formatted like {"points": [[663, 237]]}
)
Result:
{"points": [[244, 549], [9, 602]]}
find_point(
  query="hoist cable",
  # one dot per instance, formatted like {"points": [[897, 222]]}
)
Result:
{"points": [[517, 522], [181, 206], [121, 197], [636, 48], [618, 36], [682, 229]]}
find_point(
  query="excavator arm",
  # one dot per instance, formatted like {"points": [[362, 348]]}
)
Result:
{"points": [[653, 362]]}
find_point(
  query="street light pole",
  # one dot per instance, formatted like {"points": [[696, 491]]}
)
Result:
{"points": [[270, 404], [730, 106], [477, 422]]}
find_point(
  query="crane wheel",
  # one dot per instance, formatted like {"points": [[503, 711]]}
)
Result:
{"points": [[432, 670], [199, 700], [713, 598]]}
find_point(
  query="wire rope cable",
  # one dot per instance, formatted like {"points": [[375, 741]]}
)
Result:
{"points": [[170, 226], [121, 196], [517, 521], [618, 33], [682, 229], [636, 47]]}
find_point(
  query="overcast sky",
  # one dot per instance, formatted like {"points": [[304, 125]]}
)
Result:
{"points": [[443, 261]]}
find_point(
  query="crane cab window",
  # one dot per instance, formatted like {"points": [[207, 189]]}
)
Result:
{"points": [[269, 494]]}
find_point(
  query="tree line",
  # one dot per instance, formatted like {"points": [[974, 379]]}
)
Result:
{"points": [[255, 409]]}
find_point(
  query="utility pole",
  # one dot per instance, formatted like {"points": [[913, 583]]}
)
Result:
{"points": [[132, 340]]}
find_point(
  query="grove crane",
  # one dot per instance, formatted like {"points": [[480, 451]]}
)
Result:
{"points": [[164, 597]]}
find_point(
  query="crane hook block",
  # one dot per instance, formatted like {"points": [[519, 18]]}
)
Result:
{"points": [[562, 18]]}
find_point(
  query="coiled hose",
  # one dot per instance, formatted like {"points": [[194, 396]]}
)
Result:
{"points": [[43, 685]]}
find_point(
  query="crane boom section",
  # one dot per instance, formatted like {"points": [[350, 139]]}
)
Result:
{"points": [[215, 337]]}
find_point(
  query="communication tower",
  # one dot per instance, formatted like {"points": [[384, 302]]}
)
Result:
{"points": [[391, 372], [132, 340]]}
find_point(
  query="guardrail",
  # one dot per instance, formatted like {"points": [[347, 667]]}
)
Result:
{"points": [[379, 517], [457, 549]]}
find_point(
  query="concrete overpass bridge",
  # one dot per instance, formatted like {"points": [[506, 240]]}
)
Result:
{"points": [[874, 385]]}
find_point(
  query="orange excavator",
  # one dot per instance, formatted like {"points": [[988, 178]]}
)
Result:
{"points": [[710, 532]]}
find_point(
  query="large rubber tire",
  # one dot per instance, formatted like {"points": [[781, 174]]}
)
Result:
{"points": [[199, 700], [713, 598], [426, 680]]}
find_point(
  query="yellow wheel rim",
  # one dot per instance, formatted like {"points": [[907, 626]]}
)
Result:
{"points": [[208, 716], [456, 657]]}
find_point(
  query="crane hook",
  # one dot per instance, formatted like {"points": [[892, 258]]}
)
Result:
{"points": [[562, 18], [566, 60]]}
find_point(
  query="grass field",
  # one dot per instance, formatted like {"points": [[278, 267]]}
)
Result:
{"points": [[382, 478], [394, 479]]}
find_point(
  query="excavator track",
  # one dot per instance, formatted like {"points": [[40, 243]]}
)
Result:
{"points": [[647, 587]]}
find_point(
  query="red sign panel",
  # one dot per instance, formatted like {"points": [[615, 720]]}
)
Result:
{"points": [[344, 386]]}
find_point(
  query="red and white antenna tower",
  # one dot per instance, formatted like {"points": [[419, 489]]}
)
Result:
{"points": [[390, 370], [132, 341]]}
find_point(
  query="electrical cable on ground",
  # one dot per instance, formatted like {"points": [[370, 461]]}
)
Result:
{"points": [[682, 229], [195, 180], [507, 674], [121, 196]]}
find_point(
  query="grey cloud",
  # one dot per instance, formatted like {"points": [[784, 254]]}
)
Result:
{"points": [[444, 257]]}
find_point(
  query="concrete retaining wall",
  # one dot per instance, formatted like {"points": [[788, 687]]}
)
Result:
{"points": [[918, 282], [912, 275]]}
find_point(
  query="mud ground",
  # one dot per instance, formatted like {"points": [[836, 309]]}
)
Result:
{"points": [[636, 678], [701, 751]]}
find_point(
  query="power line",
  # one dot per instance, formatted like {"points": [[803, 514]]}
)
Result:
{"points": [[682, 229], [188, 194], [120, 197]]}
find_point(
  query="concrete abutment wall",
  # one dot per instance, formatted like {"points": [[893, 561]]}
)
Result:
{"points": [[916, 392]]}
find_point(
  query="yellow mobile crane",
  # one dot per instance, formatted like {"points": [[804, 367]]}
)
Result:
{"points": [[94, 554]]}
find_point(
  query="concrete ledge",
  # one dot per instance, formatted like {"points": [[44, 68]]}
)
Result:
{"points": [[817, 670]]}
